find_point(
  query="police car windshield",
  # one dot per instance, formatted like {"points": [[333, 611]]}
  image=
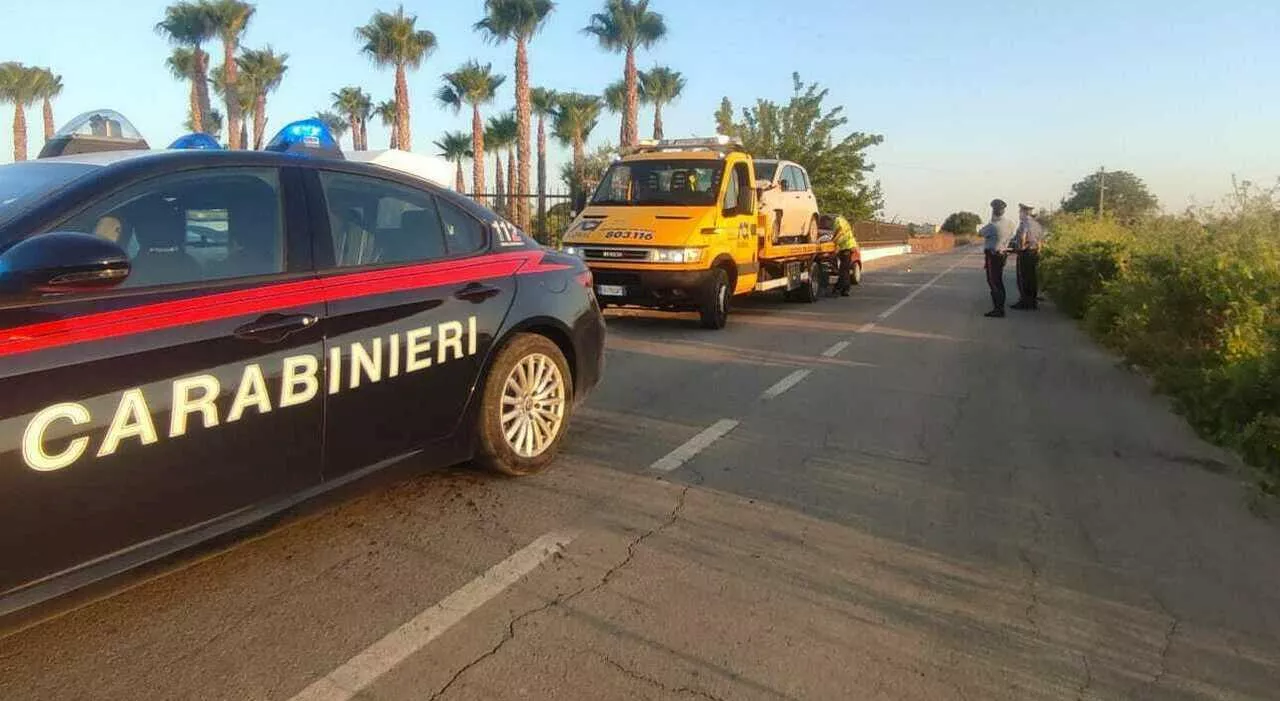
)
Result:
{"points": [[23, 184], [682, 183]]}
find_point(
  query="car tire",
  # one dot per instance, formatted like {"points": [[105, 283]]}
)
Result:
{"points": [[855, 275], [812, 292], [714, 311], [520, 445]]}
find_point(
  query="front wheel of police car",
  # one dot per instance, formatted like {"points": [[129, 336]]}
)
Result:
{"points": [[525, 408]]}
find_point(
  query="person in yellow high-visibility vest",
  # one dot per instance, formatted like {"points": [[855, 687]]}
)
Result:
{"points": [[846, 244]]}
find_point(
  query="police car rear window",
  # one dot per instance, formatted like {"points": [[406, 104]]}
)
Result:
{"points": [[23, 184]]}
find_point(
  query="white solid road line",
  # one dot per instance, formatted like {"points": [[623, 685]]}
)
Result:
{"points": [[695, 445], [361, 671], [916, 292], [835, 350], [785, 384]]}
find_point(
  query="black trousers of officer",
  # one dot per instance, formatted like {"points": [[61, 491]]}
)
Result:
{"points": [[995, 278], [1028, 277], [845, 282]]}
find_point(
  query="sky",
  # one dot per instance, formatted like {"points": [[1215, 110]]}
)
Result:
{"points": [[1015, 99]]}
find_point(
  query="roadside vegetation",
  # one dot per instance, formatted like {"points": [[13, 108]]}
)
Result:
{"points": [[1192, 300]]}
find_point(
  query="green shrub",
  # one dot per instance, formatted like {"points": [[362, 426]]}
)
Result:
{"points": [[1195, 302]]}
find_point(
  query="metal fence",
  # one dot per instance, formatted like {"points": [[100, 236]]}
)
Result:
{"points": [[881, 233]]}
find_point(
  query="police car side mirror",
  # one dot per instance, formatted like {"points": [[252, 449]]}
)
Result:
{"points": [[63, 261]]}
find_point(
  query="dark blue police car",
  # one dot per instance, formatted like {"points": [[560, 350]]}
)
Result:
{"points": [[193, 338]]}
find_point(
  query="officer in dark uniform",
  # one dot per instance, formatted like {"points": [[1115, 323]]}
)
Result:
{"points": [[1026, 243], [996, 237]]}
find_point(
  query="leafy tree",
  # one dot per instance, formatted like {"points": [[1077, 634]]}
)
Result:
{"points": [[393, 39], [624, 27], [962, 223], [229, 19], [356, 105], [518, 21], [594, 165], [386, 111], [48, 87], [472, 84], [455, 146], [1119, 194], [188, 25], [661, 86], [804, 132], [263, 70], [543, 102]]}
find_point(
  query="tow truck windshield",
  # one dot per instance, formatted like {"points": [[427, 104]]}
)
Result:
{"points": [[680, 183]]}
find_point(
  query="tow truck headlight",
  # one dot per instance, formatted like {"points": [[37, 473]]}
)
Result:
{"points": [[677, 255], [574, 251]]}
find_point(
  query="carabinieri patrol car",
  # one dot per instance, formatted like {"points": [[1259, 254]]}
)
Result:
{"points": [[193, 338]]}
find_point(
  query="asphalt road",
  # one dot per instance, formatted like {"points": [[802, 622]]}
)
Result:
{"points": [[857, 499]]}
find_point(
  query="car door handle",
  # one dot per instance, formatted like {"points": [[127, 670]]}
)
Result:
{"points": [[273, 328], [477, 293]]}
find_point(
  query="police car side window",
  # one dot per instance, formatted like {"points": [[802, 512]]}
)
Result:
{"points": [[463, 233], [211, 224], [376, 221]]}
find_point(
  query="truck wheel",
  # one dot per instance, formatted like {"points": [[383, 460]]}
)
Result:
{"points": [[811, 292], [855, 275], [525, 407], [715, 306], [812, 232]]}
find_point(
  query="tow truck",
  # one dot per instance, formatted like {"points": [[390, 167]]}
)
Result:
{"points": [[677, 225]]}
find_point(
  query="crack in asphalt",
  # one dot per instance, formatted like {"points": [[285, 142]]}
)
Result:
{"points": [[510, 632], [1174, 624], [655, 681], [1088, 678], [1033, 583]]}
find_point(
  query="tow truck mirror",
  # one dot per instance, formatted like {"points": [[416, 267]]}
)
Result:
{"points": [[764, 185], [579, 203], [63, 261]]}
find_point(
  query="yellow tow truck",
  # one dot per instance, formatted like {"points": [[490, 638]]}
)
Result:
{"points": [[677, 225]]}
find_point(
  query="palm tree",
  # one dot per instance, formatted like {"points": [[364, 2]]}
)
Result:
{"points": [[244, 96], [393, 39], [615, 101], [19, 86], [661, 86], [49, 86], [188, 25], [475, 85], [519, 21], [386, 111], [230, 18], [262, 70], [455, 146], [212, 123], [576, 115], [623, 27], [502, 133], [336, 124], [543, 102], [356, 105]]}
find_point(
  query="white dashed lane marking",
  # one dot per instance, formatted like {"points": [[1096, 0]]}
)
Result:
{"points": [[361, 671], [785, 384], [695, 445], [835, 350]]}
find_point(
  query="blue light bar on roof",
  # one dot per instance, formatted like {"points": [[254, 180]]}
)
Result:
{"points": [[196, 141], [308, 137]]}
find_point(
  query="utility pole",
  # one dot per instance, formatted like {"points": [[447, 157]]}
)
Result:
{"points": [[1102, 189]]}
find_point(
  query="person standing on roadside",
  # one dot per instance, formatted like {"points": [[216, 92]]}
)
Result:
{"points": [[1026, 242], [996, 236], [845, 245]]}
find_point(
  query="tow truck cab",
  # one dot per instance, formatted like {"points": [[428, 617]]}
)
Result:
{"points": [[676, 225]]}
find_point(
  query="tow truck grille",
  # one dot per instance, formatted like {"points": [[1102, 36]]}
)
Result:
{"points": [[607, 254]]}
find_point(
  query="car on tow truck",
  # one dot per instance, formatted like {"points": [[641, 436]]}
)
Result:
{"points": [[677, 225], [194, 338]]}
